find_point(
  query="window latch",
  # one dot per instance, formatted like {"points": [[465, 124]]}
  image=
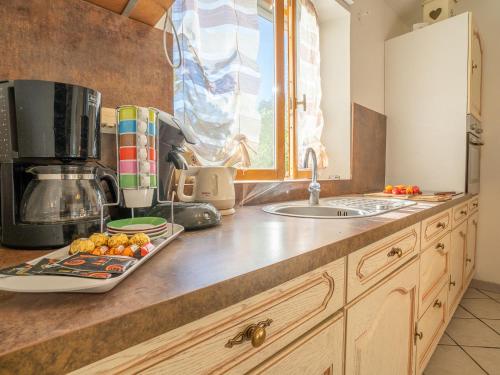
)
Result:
{"points": [[303, 102]]}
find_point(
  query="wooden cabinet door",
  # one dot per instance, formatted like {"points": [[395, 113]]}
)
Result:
{"points": [[475, 74], [318, 352], [430, 328], [381, 327], [457, 258], [470, 255]]}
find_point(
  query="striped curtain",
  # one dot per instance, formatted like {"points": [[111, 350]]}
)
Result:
{"points": [[217, 84], [310, 122]]}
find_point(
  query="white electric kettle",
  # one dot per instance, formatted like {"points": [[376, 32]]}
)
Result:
{"points": [[213, 185]]}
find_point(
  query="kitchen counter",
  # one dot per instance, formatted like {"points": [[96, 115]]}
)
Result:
{"points": [[198, 274]]}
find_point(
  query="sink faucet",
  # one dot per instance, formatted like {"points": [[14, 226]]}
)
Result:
{"points": [[314, 186]]}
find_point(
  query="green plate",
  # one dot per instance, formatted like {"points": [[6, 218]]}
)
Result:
{"points": [[137, 223]]}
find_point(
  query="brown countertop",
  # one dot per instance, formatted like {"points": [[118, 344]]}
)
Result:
{"points": [[199, 273]]}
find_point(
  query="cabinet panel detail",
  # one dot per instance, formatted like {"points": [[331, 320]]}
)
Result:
{"points": [[320, 352], [380, 327], [371, 264], [434, 271], [291, 310], [434, 227]]}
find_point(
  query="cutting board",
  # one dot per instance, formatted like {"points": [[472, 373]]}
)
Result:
{"points": [[415, 197]]}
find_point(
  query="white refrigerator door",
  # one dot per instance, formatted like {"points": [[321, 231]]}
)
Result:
{"points": [[426, 105]]}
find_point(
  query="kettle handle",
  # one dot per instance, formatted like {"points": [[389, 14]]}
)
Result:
{"points": [[182, 181]]}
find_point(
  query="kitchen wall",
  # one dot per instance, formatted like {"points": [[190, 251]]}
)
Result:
{"points": [[486, 15], [73, 41], [372, 23], [335, 47]]}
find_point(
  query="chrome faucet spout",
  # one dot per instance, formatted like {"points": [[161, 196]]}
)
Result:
{"points": [[314, 187]]}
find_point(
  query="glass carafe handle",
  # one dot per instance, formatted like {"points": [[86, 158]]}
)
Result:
{"points": [[114, 182], [109, 177]]}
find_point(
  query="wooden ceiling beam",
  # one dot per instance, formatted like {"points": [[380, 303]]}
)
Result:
{"points": [[129, 7]]}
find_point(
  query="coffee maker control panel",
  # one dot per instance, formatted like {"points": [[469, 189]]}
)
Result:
{"points": [[5, 128]]}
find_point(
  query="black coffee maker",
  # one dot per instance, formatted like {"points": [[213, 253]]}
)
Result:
{"points": [[49, 187]]}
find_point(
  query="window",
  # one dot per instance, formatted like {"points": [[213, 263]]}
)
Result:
{"points": [[265, 153], [250, 85]]}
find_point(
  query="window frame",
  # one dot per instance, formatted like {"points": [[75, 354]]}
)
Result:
{"points": [[295, 172], [278, 172], [284, 19]]}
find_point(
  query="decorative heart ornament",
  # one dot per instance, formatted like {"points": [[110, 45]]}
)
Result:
{"points": [[434, 14]]}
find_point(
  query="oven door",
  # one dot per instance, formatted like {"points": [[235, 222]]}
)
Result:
{"points": [[473, 163]]}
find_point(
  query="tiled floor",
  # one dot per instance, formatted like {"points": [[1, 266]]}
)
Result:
{"points": [[471, 344]]}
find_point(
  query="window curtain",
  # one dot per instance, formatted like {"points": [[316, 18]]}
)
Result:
{"points": [[217, 83], [310, 122]]}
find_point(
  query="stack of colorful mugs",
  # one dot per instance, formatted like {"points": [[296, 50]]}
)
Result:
{"points": [[137, 154]]}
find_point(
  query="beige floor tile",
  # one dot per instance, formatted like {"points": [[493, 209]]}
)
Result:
{"points": [[487, 358], [482, 308], [495, 324], [461, 313], [494, 295], [473, 293], [445, 340], [472, 332], [451, 360]]}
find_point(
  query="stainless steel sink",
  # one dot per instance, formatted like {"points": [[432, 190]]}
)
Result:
{"points": [[338, 208], [327, 212]]}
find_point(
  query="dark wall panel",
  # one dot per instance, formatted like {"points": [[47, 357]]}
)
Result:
{"points": [[76, 42]]}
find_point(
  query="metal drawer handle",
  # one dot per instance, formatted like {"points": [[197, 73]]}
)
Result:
{"points": [[463, 212], [440, 247], [256, 333], [475, 205], [395, 251], [463, 234], [419, 335], [441, 225], [468, 260], [438, 304], [452, 283]]}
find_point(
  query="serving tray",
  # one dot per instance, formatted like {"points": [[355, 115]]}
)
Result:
{"points": [[58, 284]]}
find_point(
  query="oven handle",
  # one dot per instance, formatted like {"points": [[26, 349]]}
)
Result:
{"points": [[476, 143], [474, 140]]}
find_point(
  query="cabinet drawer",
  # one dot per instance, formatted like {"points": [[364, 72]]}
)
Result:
{"points": [[459, 214], [434, 271], [288, 310], [371, 264], [430, 328], [319, 351], [473, 204], [434, 227]]}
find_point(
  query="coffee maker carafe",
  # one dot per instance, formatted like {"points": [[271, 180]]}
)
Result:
{"points": [[49, 186]]}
